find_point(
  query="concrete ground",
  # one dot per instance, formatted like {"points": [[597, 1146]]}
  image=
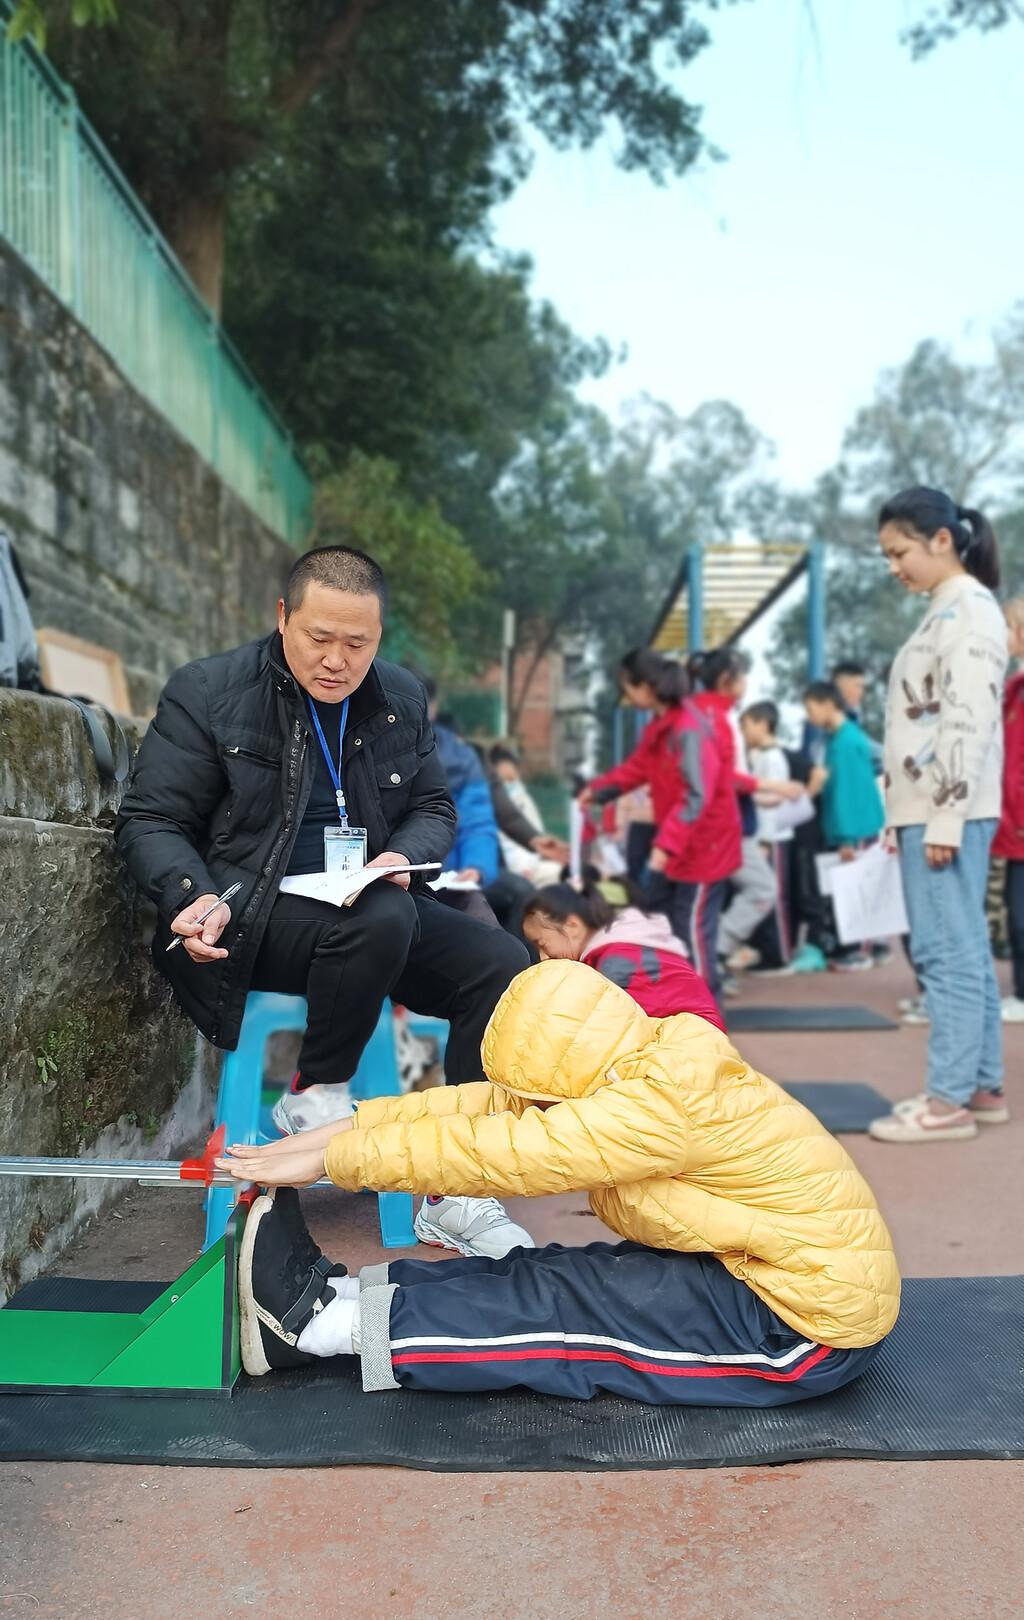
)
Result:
{"points": [[924, 1541]]}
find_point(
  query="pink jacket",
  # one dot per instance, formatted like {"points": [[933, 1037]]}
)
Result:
{"points": [[640, 953]]}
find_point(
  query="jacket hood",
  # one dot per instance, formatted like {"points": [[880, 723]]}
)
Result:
{"points": [[635, 927], [559, 1030]]}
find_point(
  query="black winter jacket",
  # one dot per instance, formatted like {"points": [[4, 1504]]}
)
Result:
{"points": [[219, 788]]}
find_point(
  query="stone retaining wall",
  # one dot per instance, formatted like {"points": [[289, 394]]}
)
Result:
{"points": [[96, 1060], [126, 534]]}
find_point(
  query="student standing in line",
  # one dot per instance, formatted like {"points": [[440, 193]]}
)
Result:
{"points": [[1009, 840], [723, 679], [852, 813], [767, 758], [689, 769], [943, 767]]}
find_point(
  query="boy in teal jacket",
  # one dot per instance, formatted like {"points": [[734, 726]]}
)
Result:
{"points": [[852, 812]]}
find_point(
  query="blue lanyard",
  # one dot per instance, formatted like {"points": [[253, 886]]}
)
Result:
{"points": [[335, 771]]}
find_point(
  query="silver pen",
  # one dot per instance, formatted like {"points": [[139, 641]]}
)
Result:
{"points": [[228, 894]]}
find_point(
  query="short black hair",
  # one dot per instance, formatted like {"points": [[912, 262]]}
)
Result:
{"points": [[824, 692], [340, 568], [766, 712], [849, 666], [503, 753]]}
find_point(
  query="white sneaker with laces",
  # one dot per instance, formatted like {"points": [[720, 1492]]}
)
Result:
{"points": [[470, 1226], [317, 1105], [1012, 1010]]}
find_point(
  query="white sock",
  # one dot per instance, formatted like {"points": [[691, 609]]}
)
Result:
{"points": [[345, 1287], [334, 1331]]}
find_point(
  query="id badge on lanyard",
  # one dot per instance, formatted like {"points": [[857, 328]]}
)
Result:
{"points": [[344, 846]]}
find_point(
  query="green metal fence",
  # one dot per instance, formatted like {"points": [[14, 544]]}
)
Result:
{"points": [[69, 212]]}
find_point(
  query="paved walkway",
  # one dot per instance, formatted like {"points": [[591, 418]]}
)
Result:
{"points": [[922, 1541]]}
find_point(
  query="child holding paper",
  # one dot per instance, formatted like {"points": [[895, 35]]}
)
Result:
{"points": [[852, 814]]}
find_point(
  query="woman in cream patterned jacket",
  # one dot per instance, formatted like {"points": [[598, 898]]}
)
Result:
{"points": [[943, 769]]}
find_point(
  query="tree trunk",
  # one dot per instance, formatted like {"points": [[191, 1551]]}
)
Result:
{"points": [[195, 230], [541, 647]]}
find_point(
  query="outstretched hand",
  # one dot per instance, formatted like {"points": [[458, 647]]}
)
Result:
{"points": [[299, 1168]]}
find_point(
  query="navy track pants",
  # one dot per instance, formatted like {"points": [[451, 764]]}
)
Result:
{"points": [[647, 1324]]}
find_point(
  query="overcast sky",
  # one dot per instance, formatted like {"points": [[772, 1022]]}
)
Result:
{"points": [[867, 201]]}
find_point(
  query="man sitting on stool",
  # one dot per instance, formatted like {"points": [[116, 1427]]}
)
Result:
{"points": [[296, 752]]}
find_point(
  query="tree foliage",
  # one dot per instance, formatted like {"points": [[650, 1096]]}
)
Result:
{"points": [[432, 573], [936, 420], [191, 94], [947, 19]]}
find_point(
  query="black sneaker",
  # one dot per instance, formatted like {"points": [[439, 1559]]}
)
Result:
{"points": [[283, 1280]]}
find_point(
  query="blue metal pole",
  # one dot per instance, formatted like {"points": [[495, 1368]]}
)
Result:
{"points": [[618, 735], [695, 598], [816, 610]]}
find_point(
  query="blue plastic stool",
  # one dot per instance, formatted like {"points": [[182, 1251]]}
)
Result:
{"points": [[240, 1101]]}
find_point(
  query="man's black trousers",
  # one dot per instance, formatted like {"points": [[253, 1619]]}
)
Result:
{"points": [[347, 960]]}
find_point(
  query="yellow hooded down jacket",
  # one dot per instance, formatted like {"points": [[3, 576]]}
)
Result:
{"points": [[680, 1144]]}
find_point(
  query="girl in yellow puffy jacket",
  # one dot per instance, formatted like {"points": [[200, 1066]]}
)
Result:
{"points": [[756, 1268]]}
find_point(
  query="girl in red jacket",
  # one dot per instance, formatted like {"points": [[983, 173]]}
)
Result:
{"points": [[633, 947], [688, 766], [1009, 840]]}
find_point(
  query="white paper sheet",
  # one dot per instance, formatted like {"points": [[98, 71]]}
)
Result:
{"points": [[452, 880], [342, 888], [824, 866], [867, 895], [576, 820]]}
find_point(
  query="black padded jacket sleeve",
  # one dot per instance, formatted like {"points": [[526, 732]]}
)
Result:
{"points": [[177, 782]]}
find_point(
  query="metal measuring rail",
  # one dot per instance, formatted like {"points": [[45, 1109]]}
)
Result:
{"points": [[197, 1172], [147, 1172]]}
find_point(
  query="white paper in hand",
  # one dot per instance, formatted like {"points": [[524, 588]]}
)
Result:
{"points": [[867, 895], [342, 888]]}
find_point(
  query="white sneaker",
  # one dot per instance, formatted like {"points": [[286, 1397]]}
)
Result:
{"points": [[744, 957], [1012, 1010], [916, 1011], [317, 1105], [913, 1121], [470, 1226]]}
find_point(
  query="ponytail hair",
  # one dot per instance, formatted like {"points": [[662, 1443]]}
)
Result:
{"points": [[709, 669], [665, 676], [921, 512]]}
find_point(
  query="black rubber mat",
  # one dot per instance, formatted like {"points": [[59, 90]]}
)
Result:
{"points": [[948, 1383], [843, 1106], [746, 1019], [85, 1294]]}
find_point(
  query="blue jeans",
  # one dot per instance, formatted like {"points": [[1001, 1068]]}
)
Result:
{"points": [[949, 945]]}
